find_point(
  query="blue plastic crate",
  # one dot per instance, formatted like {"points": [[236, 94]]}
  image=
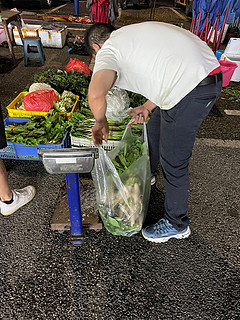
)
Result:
{"points": [[26, 152]]}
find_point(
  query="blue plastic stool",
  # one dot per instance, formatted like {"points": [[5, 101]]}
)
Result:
{"points": [[33, 48]]}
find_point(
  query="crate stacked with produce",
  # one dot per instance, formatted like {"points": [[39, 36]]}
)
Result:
{"points": [[25, 136], [82, 120], [27, 130], [67, 103], [70, 109]]}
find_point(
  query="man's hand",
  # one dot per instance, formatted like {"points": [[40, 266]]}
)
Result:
{"points": [[100, 130], [100, 83], [141, 113]]}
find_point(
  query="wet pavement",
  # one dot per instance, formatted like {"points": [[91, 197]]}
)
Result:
{"points": [[43, 276]]}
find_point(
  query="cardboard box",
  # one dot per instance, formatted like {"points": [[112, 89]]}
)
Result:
{"points": [[53, 38], [28, 30]]}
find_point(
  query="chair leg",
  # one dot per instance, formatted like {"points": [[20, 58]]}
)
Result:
{"points": [[25, 54], [40, 51]]}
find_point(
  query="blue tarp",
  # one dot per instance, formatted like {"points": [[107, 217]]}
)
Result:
{"points": [[213, 9], [236, 8]]}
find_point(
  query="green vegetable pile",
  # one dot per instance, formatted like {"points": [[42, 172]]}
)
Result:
{"points": [[74, 81], [38, 130], [69, 84], [82, 121]]}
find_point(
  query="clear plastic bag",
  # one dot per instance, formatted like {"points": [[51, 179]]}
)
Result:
{"points": [[36, 86], [117, 104], [122, 199]]}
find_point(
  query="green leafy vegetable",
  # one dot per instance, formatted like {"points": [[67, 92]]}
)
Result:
{"points": [[129, 155], [39, 130], [117, 227]]}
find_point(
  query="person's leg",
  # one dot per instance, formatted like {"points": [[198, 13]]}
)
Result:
{"points": [[11, 200], [5, 191], [179, 127], [153, 130]]}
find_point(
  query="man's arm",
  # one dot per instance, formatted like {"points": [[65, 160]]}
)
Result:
{"points": [[141, 113], [100, 83]]}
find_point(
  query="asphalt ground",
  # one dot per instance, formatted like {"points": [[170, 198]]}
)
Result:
{"points": [[43, 276]]}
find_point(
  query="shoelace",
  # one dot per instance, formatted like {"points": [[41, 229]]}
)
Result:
{"points": [[162, 226]]}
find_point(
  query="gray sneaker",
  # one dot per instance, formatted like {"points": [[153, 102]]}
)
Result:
{"points": [[20, 198], [163, 230]]}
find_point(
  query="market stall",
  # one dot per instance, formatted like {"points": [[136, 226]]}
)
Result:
{"points": [[60, 137]]}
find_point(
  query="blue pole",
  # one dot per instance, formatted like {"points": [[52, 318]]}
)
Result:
{"points": [[76, 7], [74, 206]]}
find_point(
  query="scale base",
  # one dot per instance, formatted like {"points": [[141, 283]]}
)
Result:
{"points": [[90, 217]]}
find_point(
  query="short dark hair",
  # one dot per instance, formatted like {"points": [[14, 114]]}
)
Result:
{"points": [[97, 33]]}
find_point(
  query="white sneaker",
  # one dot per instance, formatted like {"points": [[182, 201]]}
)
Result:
{"points": [[20, 198]]}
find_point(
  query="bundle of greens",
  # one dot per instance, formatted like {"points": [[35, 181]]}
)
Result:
{"points": [[83, 120], [81, 123], [38, 130], [65, 102], [116, 129], [128, 155]]}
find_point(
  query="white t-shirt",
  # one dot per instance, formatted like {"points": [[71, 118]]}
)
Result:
{"points": [[160, 61]]}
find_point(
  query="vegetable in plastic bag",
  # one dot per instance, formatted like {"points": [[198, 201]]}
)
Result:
{"points": [[123, 194], [117, 104], [40, 86], [41, 100], [77, 65]]}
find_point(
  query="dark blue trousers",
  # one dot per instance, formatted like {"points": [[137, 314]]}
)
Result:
{"points": [[171, 136]]}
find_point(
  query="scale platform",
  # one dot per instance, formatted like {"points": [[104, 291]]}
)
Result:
{"points": [[68, 160]]}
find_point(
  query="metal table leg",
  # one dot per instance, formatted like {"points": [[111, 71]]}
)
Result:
{"points": [[72, 183], [76, 8]]}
